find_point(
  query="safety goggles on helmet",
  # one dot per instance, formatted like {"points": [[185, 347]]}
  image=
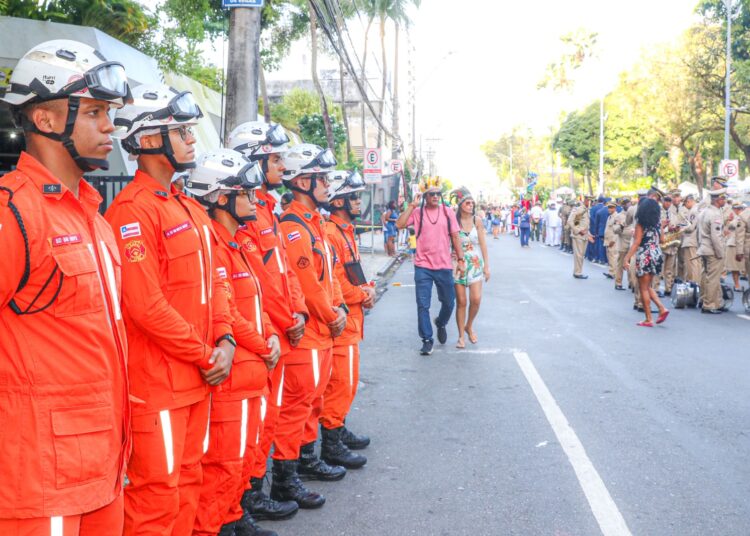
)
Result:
{"points": [[182, 107], [105, 81], [250, 177], [353, 181], [325, 159]]}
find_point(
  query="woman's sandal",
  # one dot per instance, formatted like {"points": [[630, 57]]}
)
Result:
{"points": [[472, 336], [663, 316], [645, 324], [460, 344]]}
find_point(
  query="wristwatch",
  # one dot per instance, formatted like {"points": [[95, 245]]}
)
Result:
{"points": [[227, 337], [344, 307]]}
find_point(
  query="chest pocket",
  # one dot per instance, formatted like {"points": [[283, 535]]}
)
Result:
{"points": [[267, 238], [81, 288], [184, 262]]}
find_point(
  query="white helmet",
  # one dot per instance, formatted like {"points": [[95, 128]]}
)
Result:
{"points": [[155, 109], [222, 171], [343, 182], [65, 69], [306, 159], [257, 139]]}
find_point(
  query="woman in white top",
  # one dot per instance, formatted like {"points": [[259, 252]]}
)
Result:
{"points": [[472, 236]]}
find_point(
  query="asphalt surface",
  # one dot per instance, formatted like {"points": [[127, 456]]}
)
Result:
{"points": [[461, 444]]}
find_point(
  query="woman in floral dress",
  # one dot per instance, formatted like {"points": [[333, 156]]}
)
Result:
{"points": [[648, 255], [473, 241]]}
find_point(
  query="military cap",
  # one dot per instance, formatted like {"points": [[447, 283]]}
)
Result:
{"points": [[611, 204], [722, 181], [642, 193], [717, 193], [655, 190], [675, 192]]}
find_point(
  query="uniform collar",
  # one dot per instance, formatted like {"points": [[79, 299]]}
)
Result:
{"points": [[266, 198], [224, 236], [301, 210], [147, 182], [340, 222], [52, 188]]}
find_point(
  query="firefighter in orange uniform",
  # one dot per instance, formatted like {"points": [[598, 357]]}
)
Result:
{"points": [[175, 310], [262, 243], [344, 204], [224, 181], [308, 366], [64, 410]]}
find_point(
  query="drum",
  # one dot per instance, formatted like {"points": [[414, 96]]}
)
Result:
{"points": [[682, 295]]}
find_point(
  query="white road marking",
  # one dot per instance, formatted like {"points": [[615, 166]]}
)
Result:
{"points": [[605, 510], [744, 317], [481, 352]]}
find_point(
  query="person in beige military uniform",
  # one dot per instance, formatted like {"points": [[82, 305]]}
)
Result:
{"points": [[745, 216], [565, 211], [610, 240], [734, 260], [623, 229], [711, 245], [675, 222], [578, 223], [690, 261]]}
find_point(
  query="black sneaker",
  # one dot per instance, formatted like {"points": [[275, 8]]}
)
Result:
{"points": [[426, 347], [442, 333]]}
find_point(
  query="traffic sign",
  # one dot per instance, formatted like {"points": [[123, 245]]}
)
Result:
{"points": [[397, 166], [729, 169], [241, 3], [373, 166]]}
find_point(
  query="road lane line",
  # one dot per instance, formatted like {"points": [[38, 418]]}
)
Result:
{"points": [[744, 317], [605, 510]]}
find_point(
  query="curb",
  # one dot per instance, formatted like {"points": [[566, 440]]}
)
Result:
{"points": [[385, 273]]}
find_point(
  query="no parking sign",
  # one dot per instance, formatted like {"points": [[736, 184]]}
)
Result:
{"points": [[729, 169], [373, 166]]}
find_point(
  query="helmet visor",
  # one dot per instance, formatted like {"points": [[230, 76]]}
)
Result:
{"points": [[276, 136], [183, 107], [325, 159], [107, 81], [250, 177]]}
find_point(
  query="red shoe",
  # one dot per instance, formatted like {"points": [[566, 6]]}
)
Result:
{"points": [[645, 324], [662, 317]]}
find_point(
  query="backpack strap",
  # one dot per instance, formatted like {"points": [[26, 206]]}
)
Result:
{"points": [[296, 219]]}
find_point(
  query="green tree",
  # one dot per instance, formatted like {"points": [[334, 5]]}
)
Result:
{"points": [[312, 129], [577, 142]]}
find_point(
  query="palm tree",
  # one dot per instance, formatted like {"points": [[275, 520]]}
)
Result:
{"points": [[316, 79]]}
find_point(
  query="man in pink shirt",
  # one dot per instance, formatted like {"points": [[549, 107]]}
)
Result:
{"points": [[436, 229]]}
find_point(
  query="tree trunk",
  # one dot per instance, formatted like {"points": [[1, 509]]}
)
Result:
{"points": [[264, 94], [385, 79], [395, 149], [743, 147], [364, 85], [343, 109], [316, 79], [242, 68]]}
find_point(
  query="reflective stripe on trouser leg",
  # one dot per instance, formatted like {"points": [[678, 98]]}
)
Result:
{"points": [[166, 432], [208, 426], [243, 429], [351, 367], [281, 388], [316, 368], [56, 526]]}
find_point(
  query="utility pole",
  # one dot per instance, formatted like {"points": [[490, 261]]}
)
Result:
{"points": [[242, 67], [728, 81], [396, 140]]}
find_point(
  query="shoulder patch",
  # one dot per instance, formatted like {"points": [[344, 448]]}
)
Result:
{"points": [[303, 262], [221, 272], [135, 251], [130, 230], [294, 235]]}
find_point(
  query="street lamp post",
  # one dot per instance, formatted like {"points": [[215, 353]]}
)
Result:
{"points": [[601, 146], [727, 84]]}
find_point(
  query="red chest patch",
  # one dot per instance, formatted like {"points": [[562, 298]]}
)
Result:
{"points": [[177, 229], [240, 275], [64, 240]]}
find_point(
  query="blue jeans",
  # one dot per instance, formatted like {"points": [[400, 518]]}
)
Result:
{"points": [[525, 233], [443, 279]]}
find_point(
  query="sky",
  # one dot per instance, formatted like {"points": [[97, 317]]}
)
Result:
{"points": [[500, 51]]}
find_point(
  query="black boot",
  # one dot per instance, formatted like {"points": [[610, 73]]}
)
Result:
{"points": [[286, 486], [313, 468], [246, 526], [354, 441], [228, 529], [261, 507], [335, 452]]}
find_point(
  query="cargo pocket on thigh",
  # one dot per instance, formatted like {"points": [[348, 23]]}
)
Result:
{"points": [[85, 443]]}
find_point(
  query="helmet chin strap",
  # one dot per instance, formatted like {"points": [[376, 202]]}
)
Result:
{"points": [[264, 166], [309, 192], [84, 163], [231, 208], [166, 149]]}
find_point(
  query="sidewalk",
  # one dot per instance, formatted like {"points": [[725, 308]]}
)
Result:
{"points": [[374, 260]]}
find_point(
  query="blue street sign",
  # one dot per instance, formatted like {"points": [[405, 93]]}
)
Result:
{"points": [[241, 3]]}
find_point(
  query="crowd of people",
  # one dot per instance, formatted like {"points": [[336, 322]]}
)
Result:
{"points": [[154, 358], [662, 244]]}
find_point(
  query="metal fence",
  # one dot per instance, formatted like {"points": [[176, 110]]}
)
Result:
{"points": [[108, 187]]}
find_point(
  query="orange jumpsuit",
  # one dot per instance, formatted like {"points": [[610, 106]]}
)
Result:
{"points": [[264, 247], [174, 309], [339, 395], [64, 410], [236, 407], [307, 367]]}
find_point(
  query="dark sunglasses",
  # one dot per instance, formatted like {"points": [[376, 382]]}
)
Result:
{"points": [[433, 194]]}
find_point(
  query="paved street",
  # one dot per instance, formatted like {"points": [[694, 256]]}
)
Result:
{"points": [[654, 421]]}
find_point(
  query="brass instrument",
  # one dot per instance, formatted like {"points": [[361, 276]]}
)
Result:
{"points": [[671, 238]]}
